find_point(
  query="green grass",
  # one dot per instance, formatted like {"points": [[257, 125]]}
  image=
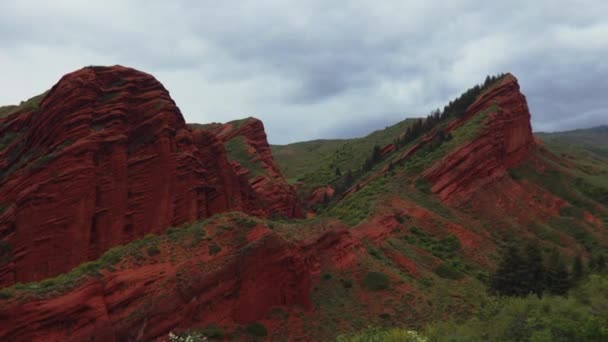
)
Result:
{"points": [[446, 271], [428, 155], [236, 148], [378, 334], [297, 159], [357, 206], [318, 160], [7, 138], [581, 316], [107, 261], [29, 105], [376, 281]]}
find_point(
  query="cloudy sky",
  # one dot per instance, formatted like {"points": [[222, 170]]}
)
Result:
{"points": [[320, 69]]}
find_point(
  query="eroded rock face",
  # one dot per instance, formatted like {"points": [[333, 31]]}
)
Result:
{"points": [[107, 158], [505, 141], [278, 197], [149, 301]]}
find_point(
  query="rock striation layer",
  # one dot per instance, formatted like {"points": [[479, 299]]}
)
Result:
{"points": [[505, 141], [106, 158], [256, 163]]}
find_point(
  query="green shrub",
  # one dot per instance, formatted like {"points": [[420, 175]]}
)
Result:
{"points": [[153, 250], [383, 335], [581, 316], [423, 185], [446, 271], [346, 283], [256, 329], [376, 281], [212, 331], [214, 249]]}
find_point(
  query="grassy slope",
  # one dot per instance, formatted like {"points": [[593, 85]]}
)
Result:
{"points": [[300, 158], [315, 162], [593, 140], [30, 104]]}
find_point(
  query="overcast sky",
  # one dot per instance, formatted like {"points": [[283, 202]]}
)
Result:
{"points": [[320, 69]]}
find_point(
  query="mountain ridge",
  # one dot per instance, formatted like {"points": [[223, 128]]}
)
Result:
{"points": [[410, 240]]}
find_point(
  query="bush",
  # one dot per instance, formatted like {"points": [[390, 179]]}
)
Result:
{"points": [[153, 250], [214, 249], [213, 331], [582, 316], [448, 272], [384, 335], [346, 283], [256, 329], [376, 281]]}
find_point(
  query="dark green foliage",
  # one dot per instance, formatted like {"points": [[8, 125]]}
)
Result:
{"points": [[601, 263], [140, 140], [212, 331], [6, 252], [256, 329], [214, 249], [107, 97], [376, 281], [346, 283], [447, 271], [7, 138], [153, 250], [511, 278], [582, 316], [535, 269], [374, 159], [577, 268], [557, 279], [423, 185], [521, 274]]}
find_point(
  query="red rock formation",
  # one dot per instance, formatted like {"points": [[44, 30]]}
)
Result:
{"points": [[388, 149], [278, 196], [105, 159], [505, 141], [148, 301], [319, 195]]}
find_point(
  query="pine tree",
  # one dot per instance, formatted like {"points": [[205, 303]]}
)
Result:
{"points": [[601, 263], [557, 281], [509, 278], [349, 179], [577, 268], [592, 264], [535, 270]]}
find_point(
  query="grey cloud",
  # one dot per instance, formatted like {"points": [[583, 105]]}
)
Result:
{"points": [[318, 69]]}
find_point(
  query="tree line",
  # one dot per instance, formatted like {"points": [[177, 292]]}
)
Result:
{"points": [[525, 271], [454, 109]]}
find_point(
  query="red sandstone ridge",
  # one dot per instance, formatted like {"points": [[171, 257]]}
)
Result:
{"points": [[146, 302], [106, 158], [505, 141], [250, 153]]}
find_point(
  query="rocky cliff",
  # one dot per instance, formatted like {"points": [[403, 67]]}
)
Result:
{"points": [[103, 159], [504, 141], [250, 153]]}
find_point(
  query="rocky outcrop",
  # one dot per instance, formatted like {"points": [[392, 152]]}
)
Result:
{"points": [[106, 158], [321, 195], [148, 301], [278, 196], [504, 141]]}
